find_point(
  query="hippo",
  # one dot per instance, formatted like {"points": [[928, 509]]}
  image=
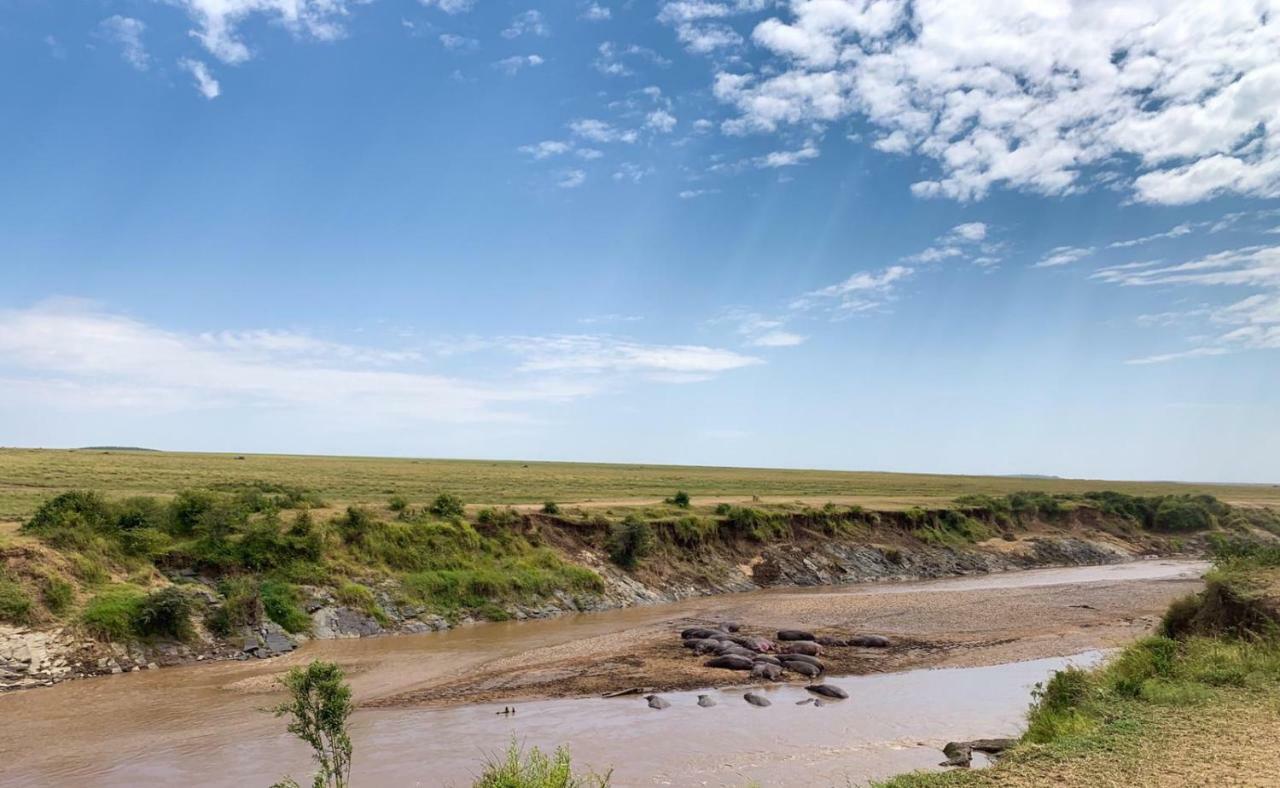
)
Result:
{"points": [[656, 703], [829, 641], [763, 670], [807, 647], [733, 648], [707, 646], [817, 663], [806, 701], [828, 691], [697, 633], [756, 700], [754, 642], [731, 662], [706, 701], [794, 634], [730, 626], [771, 659], [869, 641], [803, 668]]}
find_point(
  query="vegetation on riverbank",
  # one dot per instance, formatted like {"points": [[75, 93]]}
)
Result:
{"points": [[1168, 704], [117, 566]]}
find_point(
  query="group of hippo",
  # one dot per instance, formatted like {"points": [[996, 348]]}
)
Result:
{"points": [[794, 651]]}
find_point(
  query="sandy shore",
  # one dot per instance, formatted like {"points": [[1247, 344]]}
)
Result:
{"points": [[960, 623]]}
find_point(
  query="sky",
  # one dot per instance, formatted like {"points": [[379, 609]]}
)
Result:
{"points": [[958, 236]]}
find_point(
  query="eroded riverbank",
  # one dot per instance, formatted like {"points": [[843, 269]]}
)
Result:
{"points": [[202, 724]]}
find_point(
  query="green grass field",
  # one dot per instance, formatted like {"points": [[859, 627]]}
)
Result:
{"points": [[30, 476]]}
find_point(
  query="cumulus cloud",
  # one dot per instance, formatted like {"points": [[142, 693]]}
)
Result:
{"points": [[126, 32], [600, 131], [217, 21], [528, 23], [450, 6], [516, 63], [617, 60], [1030, 95], [701, 24], [660, 121], [205, 84], [966, 241], [595, 12], [546, 149], [456, 43], [571, 179], [787, 158]]}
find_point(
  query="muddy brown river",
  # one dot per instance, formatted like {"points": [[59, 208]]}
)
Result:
{"points": [[203, 724]]}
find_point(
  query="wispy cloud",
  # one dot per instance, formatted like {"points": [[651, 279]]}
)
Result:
{"points": [[594, 12], [860, 292], [516, 63], [126, 32], [205, 84], [571, 179], [1063, 255], [528, 23]]}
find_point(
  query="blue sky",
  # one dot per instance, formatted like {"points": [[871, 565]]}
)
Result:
{"points": [[962, 236]]}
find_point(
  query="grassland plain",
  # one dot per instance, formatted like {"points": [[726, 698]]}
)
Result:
{"points": [[28, 477]]}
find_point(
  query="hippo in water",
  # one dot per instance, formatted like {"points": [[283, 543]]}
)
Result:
{"points": [[807, 647], [803, 668], [656, 703], [706, 701], [731, 662], [756, 700], [794, 634], [828, 691], [764, 670]]}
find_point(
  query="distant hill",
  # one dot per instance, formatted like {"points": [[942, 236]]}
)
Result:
{"points": [[1030, 476], [114, 448]]}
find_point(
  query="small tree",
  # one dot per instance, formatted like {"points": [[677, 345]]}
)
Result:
{"points": [[629, 541], [551, 507], [447, 505], [319, 704], [681, 499]]}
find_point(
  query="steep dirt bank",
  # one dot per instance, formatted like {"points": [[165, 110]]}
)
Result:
{"points": [[809, 548]]}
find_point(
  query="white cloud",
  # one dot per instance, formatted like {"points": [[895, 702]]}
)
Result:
{"points": [[126, 32], [1031, 95], [204, 81], [788, 158], [661, 121], [600, 131], [970, 231], [778, 339], [689, 194], [967, 241], [1063, 255], [588, 153], [546, 149], [454, 42], [571, 179], [700, 25], [629, 171], [217, 21], [450, 6], [1174, 232], [74, 355], [528, 23], [861, 292], [616, 60], [595, 12], [514, 64]]}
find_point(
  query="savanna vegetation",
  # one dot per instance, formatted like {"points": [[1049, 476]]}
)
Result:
{"points": [[1186, 701]]}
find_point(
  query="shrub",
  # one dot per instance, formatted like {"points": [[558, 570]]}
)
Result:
{"points": [[629, 541], [15, 603], [535, 769], [72, 509], [241, 606], [757, 524], [690, 531], [1056, 706], [57, 594], [361, 598], [681, 499], [164, 613], [356, 524], [1177, 514], [111, 614], [282, 603], [723, 508], [187, 508], [398, 503], [550, 507], [447, 506], [498, 518]]}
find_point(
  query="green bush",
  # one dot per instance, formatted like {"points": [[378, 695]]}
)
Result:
{"points": [[629, 541], [241, 606], [535, 769], [361, 598], [447, 506], [498, 518], [165, 613], [71, 510], [757, 524], [550, 507], [112, 613], [57, 594], [16, 605], [283, 604], [691, 531], [681, 499], [1181, 514], [398, 503]]}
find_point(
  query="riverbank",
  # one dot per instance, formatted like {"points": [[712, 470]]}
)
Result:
{"points": [[1195, 705], [203, 724]]}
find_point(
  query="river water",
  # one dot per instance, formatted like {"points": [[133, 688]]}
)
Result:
{"points": [[203, 724]]}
